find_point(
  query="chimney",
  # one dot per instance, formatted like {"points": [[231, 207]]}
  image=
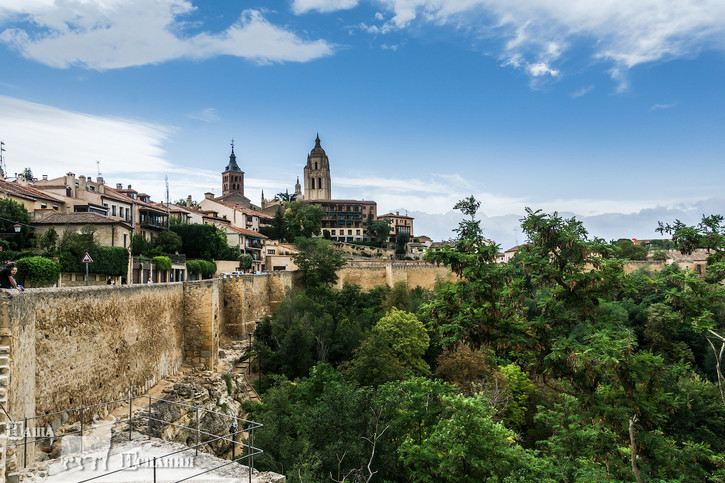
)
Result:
{"points": [[81, 182], [45, 177], [129, 187], [189, 201], [119, 186], [209, 196]]}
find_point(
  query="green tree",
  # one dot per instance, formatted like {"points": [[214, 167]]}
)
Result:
{"points": [[138, 244], [245, 262], [277, 230], [286, 196], [168, 241], [12, 213], [302, 219], [318, 261], [401, 240], [379, 230], [709, 235], [466, 444], [204, 241], [625, 248], [395, 348], [48, 241]]}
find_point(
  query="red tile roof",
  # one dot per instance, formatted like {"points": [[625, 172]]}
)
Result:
{"points": [[77, 219]]}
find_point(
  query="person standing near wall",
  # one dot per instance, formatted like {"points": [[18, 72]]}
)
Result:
{"points": [[7, 277]]}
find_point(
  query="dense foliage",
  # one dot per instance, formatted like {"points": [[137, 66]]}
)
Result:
{"points": [[318, 261], [294, 219], [11, 213], [107, 260], [204, 241], [38, 271], [556, 366], [202, 268], [162, 263]]}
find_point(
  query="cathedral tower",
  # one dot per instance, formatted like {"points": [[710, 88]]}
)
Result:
{"points": [[317, 174]]}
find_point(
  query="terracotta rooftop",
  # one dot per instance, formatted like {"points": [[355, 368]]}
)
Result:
{"points": [[246, 232], [17, 189], [77, 219]]}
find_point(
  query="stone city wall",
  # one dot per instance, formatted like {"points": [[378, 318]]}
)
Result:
{"points": [[248, 298], [413, 274], [84, 345]]}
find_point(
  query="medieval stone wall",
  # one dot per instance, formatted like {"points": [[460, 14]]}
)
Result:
{"points": [[414, 275], [248, 298]]}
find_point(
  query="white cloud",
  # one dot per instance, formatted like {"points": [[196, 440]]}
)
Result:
{"points": [[581, 92], [537, 32], [48, 140], [121, 33], [206, 115], [322, 6], [660, 107]]}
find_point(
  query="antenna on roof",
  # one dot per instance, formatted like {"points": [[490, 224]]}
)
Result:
{"points": [[98, 168]]}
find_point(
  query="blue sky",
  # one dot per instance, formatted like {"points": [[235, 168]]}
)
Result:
{"points": [[610, 111]]}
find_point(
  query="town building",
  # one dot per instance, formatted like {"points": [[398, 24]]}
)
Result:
{"points": [[399, 224], [83, 195], [346, 220]]}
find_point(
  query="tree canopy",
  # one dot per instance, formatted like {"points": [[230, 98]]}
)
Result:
{"points": [[555, 366]]}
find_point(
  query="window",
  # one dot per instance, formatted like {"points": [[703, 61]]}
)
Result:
{"points": [[319, 183], [43, 205], [113, 210], [333, 232], [357, 232], [125, 236], [55, 207], [270, 251], [315, 164], [313, 183], [349, 232]]}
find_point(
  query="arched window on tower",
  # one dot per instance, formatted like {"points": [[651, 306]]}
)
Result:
{"points": [[315, 164], [319, 183], [312, 180]]}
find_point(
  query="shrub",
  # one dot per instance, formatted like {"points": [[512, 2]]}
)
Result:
{"points": [[39, 271], [202, 267], [162, 263], [192, 266], [207, 268]]}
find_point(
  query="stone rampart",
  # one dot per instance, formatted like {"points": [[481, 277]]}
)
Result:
{"points": [[413, 274], [248, 298]]}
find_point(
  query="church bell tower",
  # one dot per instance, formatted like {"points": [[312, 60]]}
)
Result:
{"points": [[232, 177]]}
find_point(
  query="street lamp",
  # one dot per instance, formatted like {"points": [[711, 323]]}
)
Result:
{"points": [[17, 227]]}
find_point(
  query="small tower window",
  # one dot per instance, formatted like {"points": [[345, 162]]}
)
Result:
{"points": [[319, 183], [313, 182], [315, 164]]}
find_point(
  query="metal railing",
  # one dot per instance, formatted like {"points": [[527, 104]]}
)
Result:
{"points": [[28, 437]]}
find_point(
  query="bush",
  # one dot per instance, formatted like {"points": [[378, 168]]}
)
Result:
{"points": [[162, 264], [202, 267], [106, 260], [192, 266], [38, 271], [207, 268]]}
